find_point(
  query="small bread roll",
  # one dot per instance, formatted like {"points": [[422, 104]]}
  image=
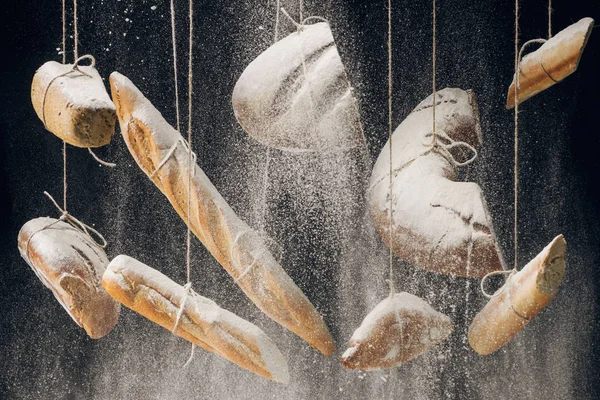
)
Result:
{"points": [[202, 321], [522, 297], [71, 265], [74, 104], [400, 328]]}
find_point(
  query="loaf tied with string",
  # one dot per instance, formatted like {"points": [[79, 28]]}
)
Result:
{"points": [[399, 329], [162, 153], [519, 300], [70, 264], [439, 224], [296, 95], [193, 317], [73, 104], [557, 58]]}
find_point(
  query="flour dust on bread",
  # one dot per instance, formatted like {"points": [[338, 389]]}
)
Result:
{"points": [[73, 104], [238, 248], [296, 95], [70, 264], [202, 322], [399, 329], [439, 223]]}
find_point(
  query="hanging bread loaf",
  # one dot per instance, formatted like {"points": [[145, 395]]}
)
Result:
{"points": [[71, 265], [439, 223], [73, 104], [296, 95], [552, 62], [162, 154], [521, 298], [202, 321], [399, 329]]}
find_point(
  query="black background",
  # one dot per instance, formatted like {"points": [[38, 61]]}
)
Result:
{"points": [[44, 355]]}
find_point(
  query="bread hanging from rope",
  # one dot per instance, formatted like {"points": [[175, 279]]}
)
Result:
{"points": [[73, 104], [202, 322], [399, 329], [296, 95], [521, 298], [552, 62], [70, 264], [162, 154], [439, 224]]}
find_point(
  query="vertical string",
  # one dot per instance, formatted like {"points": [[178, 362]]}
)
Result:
{"points": [[549, 19], [190, 93], [433, 77], [75, 31], [64, 61], [390, 134], [277, 21], [301, 11], [173, 39], [516, 164]]}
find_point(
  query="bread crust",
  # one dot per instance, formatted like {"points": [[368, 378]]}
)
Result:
{"points": [[202, 322], [238, 248], [71, 265]]}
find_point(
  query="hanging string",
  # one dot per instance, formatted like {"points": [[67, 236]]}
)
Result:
{"points": [[390, 135], [277, 21], [549, 19], [64, 61], [433, 77], [75, 31], [516, 150], [191, 165], [301, 9], [173, 39]]}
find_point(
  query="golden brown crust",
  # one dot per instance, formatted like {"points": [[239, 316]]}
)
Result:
{"points": [[522, 297], [233, 244], [552, 62]]}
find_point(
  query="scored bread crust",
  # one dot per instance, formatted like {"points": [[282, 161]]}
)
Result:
{"points": [[71, 265], [202, 321], [238, 248]]}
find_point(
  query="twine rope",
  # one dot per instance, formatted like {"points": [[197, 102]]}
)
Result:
{"points": [[174, 41], [74, 222], [170, 153], [64, 61], [390, 139]]}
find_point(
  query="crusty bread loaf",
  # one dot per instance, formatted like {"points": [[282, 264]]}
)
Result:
{"points": [[439, 224], [296, 95], [238, 248], [399, 329], [76, 107], [202, 321], [71, 265], [552, 62], [522, 297]]}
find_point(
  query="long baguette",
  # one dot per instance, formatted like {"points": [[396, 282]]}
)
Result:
{"points": [[160, 153], [202, 321]]}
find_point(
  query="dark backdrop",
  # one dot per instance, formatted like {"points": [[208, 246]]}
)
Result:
{"points": [[44, 355]]}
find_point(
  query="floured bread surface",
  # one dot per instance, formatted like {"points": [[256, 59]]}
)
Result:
{"points": [[552, 62], [71, 265], [523, 296], [439, 223], [400, 328], [76, 108], [296, 95], [238, 248], [156, 297]]}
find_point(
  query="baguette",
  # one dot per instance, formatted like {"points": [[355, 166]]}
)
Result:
{"points": [[522, 297], [73, 104], [160, 152], [552, 62], [399, 329], [202, 321], [71, 265]]}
